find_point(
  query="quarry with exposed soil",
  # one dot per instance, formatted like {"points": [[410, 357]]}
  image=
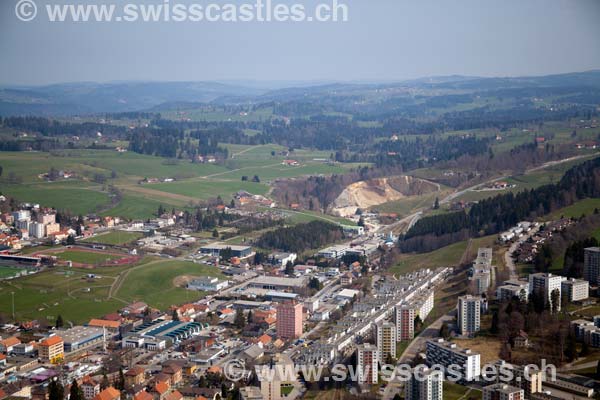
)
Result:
{"points": [[369, 193]]}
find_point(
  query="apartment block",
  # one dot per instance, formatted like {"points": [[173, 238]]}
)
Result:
{"points": [[405, 322], [386, 340], [425, 384], [544, 284], [501, 391], [575, 289], [367, 356], [591, 265], [445, 354], [289, 320], [51, 349], [469, 314], [513, 288]]}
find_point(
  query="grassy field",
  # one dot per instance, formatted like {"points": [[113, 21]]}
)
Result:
{"points": [[59, 292], [454, 391], [115, 237], [78, 201], [85, 257], [446, 256], [154, 284], [69, 293], [7, 272], [586, 206]]}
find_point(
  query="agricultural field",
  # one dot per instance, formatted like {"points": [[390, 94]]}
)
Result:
{"points": [[194, 183], [115, 237]]}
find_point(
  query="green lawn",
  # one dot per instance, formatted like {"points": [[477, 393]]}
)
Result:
{"points": [[444, 257], [153, 283], [85, 257], [454, 391], [7, 272], [135, 206], [586, 206], [78, 201], [115, 237], [205, 189]]}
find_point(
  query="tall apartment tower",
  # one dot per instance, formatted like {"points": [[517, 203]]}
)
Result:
{"points": [[289, 320], [545, 284], [405, 322], [425, 384], [386, 340], [367, 357], [591, 265], [469, 314]]}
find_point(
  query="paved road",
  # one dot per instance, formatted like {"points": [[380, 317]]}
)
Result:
{"points": [[508, 260], [432, 331]]}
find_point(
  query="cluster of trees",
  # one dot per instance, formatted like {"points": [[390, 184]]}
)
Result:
{"points": [[301, 237], [490, 216], [554, 341]]}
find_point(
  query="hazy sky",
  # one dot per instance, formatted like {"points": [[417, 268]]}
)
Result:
{"points": [[383, 40]]}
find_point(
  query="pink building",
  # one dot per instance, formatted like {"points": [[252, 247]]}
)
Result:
{"points": [[289, 320]]}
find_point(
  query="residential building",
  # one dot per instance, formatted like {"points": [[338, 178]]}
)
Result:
{"points": [[51, 349], [425, 384], [386, 340], [289, 320], [501, 391], [469, 315], [405, 322], [46, 218], [591, 265], [110, 393], [513, 288], [7, 345], [367, 356], [575, 289], [544, 284], [445, 354], [250, 393], [90, 388], [278, 386], [135, 376], [37, 230]]}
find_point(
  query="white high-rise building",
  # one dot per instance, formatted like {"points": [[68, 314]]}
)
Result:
{"points": [[37, 230], [469, 314], [445, 354], [386, 340], [544, 284], [425, 384], [368, 369]]}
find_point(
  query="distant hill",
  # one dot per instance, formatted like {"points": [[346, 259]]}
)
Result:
{"points": [[90, 98], [93, 98]]}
